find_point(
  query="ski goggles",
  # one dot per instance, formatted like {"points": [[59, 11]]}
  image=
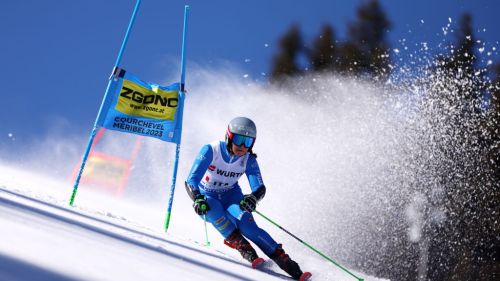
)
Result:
{"points": [[242, 140]]}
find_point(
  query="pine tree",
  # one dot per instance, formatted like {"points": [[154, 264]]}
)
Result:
{"points": [[366, 49], [463, 58], [323, 53], [285, 62]]}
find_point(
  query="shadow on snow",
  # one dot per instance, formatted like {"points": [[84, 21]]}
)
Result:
{"points": [[89, 227]]}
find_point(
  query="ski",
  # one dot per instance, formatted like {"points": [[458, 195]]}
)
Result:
{"points": [[305, 276], [257, 263]]}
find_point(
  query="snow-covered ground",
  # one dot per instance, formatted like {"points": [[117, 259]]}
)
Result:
{"points": [[43, 238]]}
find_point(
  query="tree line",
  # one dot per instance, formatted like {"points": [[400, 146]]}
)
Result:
{"points": [[365, 52]]}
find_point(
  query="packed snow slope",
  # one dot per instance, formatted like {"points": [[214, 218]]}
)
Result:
{"points": [[343, 160], [43, 238]]}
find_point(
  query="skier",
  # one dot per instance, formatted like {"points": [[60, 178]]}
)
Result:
{"points": [[213, 186]]}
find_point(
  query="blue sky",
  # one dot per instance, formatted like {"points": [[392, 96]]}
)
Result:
{"points": [[56, 55]]}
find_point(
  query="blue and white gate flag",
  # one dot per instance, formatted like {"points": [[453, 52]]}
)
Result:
{"points": [[141, 108]]}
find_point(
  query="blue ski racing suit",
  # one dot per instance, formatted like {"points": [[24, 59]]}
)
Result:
{"points": [[215, 174]]}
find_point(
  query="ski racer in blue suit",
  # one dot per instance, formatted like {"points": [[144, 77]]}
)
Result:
{"points": [[213, 186]]}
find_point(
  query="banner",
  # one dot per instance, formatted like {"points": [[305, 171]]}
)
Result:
{"points": [[138, 107], [107, 171]]}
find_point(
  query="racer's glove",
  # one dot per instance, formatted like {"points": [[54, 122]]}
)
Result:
{"points": [[248, 203], [200, 205]]}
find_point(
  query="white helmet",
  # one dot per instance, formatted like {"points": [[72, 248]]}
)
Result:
{"points": [[241, 131]]}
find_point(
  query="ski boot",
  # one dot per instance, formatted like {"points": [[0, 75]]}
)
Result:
{"points": [[288, 265], [236, 241]]}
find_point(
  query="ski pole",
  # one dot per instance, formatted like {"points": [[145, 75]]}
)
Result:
{"points": [[309, 246], [207, 243]]}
